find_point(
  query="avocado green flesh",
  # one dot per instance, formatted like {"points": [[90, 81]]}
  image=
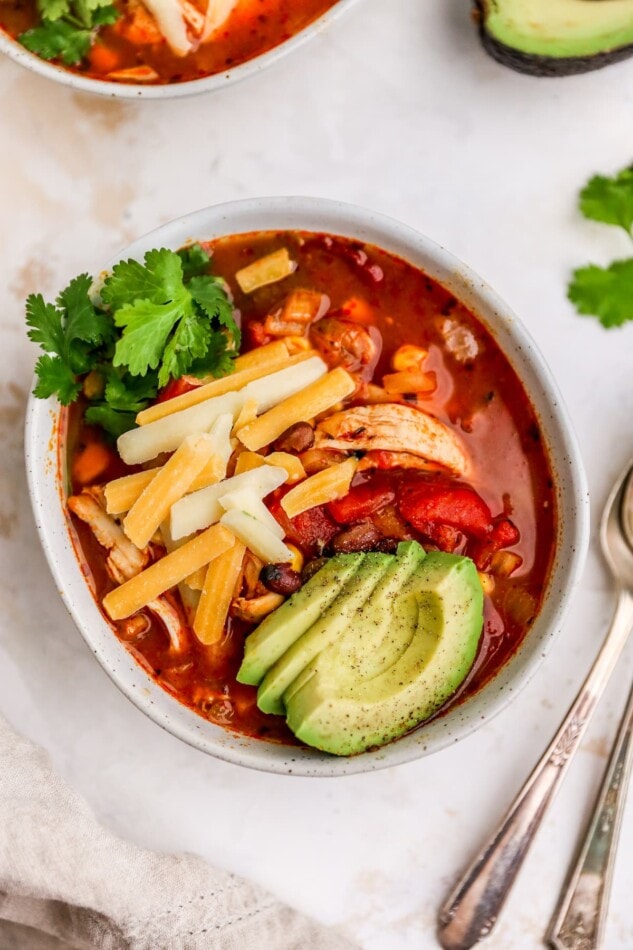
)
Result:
{"points": [[383, 619], [337, 711], [559, 28], [279, 630], [341, 613]]}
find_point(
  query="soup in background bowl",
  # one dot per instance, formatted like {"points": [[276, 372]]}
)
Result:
{"points": [[430, 442], [158, 48]]}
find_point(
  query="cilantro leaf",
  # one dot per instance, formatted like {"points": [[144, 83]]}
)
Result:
{"points": [[210, 295], [159, 280], [126, 392], [604, 292], [55, 378], [45, 323], [610, 200], [218, 360], [112, 421], [53, 9], [88, 11], [83, 321], [195, 261], [189, 342], [57, 39], [105, 15], [147, 327]]}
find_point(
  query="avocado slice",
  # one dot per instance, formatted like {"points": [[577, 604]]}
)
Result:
{"points": [[339, 711], [342, 612], [280, 629], [386, 616], [556, 37]]}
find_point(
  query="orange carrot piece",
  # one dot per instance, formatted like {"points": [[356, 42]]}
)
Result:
{"points": [[104, 59], [91, 463]]}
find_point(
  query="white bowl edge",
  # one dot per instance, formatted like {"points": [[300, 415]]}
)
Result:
{"points": [[311, 214], [193, 87]]}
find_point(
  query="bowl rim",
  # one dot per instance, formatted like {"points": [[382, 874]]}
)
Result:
{"points": [[192, 87], [573, 501]]}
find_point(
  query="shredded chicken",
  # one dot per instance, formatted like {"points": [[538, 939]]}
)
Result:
{"points": [[460, 341], [384, 460], [347, 344], [393, 428], [169, 615], [124, 558], [172, 24], [218, 12], [124, 561]]}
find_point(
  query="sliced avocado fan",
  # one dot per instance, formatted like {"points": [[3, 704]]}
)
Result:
{"points": [[556, 37], [339, 710], [370, 647]]}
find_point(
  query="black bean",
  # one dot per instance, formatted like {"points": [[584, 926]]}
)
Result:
{"points": [[280, 578]]}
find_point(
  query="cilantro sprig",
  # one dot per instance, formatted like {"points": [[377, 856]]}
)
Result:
{"points": [[606, 292], [68, 28], [155, 321]]}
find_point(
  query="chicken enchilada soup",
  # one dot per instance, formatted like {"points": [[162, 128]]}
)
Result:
{"points": [[308, 488], [155, 41]]}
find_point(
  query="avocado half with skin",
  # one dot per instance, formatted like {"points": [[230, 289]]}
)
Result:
{"points": [[556, 37]]}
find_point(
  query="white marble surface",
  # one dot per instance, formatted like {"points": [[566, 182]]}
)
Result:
{"points": [[396, 108]]}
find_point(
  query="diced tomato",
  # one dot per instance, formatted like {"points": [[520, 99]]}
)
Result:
{"points": [[361, 502], [311, 531], [503, 535], [176, 387], [256, 334], [425, 503]]}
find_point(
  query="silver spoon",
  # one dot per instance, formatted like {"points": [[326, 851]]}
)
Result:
{"points": [[580, 918], [472, 909]]}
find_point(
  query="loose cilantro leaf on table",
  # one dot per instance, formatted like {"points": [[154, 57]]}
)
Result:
{"points": [[606, 292], [68, 28], [609, 200], [152, 325]]}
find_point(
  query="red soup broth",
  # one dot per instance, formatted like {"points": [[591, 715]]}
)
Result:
{"points": [[481, 397], [253, 28]]}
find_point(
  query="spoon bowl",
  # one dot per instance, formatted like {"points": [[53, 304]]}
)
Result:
{"points": [[616, 529]]}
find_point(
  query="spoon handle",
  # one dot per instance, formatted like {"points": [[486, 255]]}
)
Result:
{"points": [[579, 920], [471, 910]]}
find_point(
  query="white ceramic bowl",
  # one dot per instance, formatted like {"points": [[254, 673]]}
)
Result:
{"points": [[193, 87], [46, 483]]}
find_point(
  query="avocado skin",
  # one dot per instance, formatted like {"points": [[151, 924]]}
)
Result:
{"points": [[545, 66]]}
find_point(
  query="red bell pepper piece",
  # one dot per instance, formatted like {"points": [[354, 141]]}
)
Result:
{"points": [[312, 530], [427, 503], [361, 502], [176, 387]]}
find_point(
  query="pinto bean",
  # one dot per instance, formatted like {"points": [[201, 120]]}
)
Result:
{"points": [[360, 537], [297, 438], [387, 546], [280, 578]]}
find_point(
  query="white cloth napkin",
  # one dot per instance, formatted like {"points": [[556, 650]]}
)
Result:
{"points": [[67, 882]]}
